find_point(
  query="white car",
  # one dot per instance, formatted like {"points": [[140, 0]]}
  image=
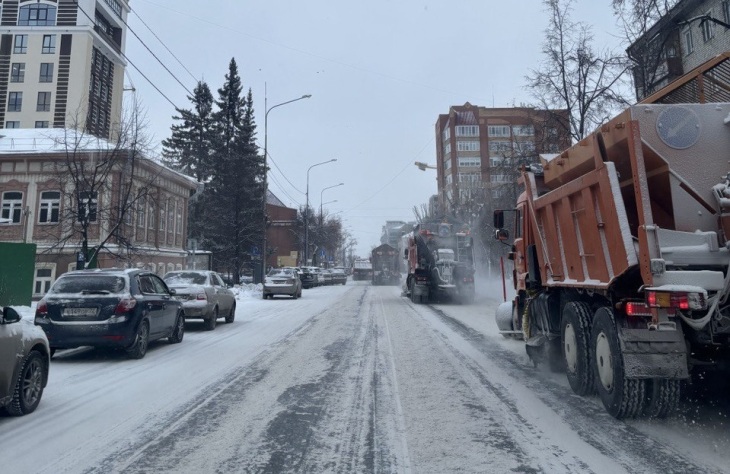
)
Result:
{"points": [[24, 360], [203, 295], [282, 281]]}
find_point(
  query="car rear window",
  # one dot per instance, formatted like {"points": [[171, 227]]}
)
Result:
{"points": [[89, 283], [185, 278]]}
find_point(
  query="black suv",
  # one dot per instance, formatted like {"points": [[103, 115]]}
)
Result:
{"points": [[110, 308], [309, 279]]}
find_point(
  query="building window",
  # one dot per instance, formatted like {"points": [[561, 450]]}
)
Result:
{"points": [[708, 29], [42, 124], [470, 145], [15, 101], [523, 130], [49, 44], [37, 14], [447, 148], [526, 148], [471, 178], [470, 161], [447, 133], [12, 124], [21, 44], [163, 220], [49, 207], [467, 131], [141, 212], [171, 216], [689, 44], [499, 178], [44, 274], [496, 161], [151, 218], [17, 72], [12, 207], [44, 102], [498, 130], [449, 179], [179, 220], [447, 164], [726, 11], [500, 146]]}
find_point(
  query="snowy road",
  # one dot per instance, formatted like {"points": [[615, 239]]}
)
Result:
{"points": [[346, 379]]}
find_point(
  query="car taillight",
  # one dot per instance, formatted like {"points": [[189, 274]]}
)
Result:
{"points": [[675, 299], [290, 282], [201, 297], [41, 309], [125, 305]]}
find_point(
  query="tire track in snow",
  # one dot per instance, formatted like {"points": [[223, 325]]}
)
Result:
{"points": [[632, 449]]}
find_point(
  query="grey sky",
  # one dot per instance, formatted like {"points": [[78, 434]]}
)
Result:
{"points": [[380, 72]]}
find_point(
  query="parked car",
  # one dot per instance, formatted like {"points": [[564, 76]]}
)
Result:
{"points": [[24, 361], [308, 277], [339, 277], [327, 278], [282, 281], [204, 295], [110, 308], [318, 275]]}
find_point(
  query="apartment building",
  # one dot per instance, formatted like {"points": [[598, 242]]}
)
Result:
{"points": [[479, 150], [62, 64], [691, 33], [42, 204]]}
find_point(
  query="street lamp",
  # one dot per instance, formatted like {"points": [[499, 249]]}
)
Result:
{"points": [[306, 212], [320, 199], [266, 174], [424, 166], [321, 218]]}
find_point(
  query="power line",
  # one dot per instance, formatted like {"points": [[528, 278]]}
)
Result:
{"points": [[163, 44], [282, 173]]}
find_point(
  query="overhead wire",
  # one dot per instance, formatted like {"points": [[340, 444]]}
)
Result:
{"points": [[165, 46], [282, 173]]}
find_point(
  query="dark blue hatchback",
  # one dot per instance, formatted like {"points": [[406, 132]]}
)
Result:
{"points": [[110, 308]]}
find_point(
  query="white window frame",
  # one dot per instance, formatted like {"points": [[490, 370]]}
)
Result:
{"points": [[523, 131], [447, 164], [470, 161], [500, 146], [467, 130], [707, 28], [498, 130], [49, 205], [11, 206], [45, 281], [467, 145]]}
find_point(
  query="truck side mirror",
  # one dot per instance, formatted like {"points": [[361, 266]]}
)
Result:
{"points": [[501, 234], [498, 219]]}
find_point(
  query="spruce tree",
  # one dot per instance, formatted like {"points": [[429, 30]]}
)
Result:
{"points": [[234, 201]]}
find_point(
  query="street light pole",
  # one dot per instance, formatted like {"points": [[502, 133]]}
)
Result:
{"points": [[320, 200], [306, 212], [266, 174]]}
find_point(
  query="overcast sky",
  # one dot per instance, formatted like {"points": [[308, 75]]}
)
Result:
{"points": [[379, 72]]}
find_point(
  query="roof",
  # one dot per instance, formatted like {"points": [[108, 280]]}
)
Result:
{"points": [[33, 141], [273, 200]]}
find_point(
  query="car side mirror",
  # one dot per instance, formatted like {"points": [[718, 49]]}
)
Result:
{"points": [[173, 292], [10, 316]]}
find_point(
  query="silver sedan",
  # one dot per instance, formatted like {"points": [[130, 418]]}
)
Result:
{"points": [[204, 296]]}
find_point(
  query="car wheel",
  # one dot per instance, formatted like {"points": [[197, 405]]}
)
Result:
{"points": [[212, 320], [178, 331], [295, 295], [29, 386], [232, 314], [265, 296], [138, 349]]}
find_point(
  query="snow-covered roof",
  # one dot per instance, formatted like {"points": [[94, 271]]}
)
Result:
{"points": [[49, 140], [273, 200]]}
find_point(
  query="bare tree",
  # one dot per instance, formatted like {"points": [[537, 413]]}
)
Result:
{"points": [[574, 75], [103, 184]]}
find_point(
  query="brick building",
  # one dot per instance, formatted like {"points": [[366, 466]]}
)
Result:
{"points": [[282, 234], [40, 203], [693, 32]]}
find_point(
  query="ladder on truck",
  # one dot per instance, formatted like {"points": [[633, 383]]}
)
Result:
{"points": [[462, 249]]}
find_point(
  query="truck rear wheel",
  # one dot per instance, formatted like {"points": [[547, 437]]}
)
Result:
{"points": [[575, 331], [622, 397], [662, 397]]}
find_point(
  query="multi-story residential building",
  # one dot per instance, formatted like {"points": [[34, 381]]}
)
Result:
{"points": [[691, 33], [479, 150], [62, 64], [137, 211]]}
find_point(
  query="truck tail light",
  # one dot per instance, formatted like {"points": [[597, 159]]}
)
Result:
{"points": [[675, 300], [637, 308]]}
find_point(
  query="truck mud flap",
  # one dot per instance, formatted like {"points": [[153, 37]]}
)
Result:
{"points": [[649, 354]]}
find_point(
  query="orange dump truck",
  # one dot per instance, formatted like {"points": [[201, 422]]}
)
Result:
{"points": [[620, 252]]}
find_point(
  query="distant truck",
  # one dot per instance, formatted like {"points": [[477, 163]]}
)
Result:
{"points": [[621, 254], [362, 269], [439, 262], [384, 260]]}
